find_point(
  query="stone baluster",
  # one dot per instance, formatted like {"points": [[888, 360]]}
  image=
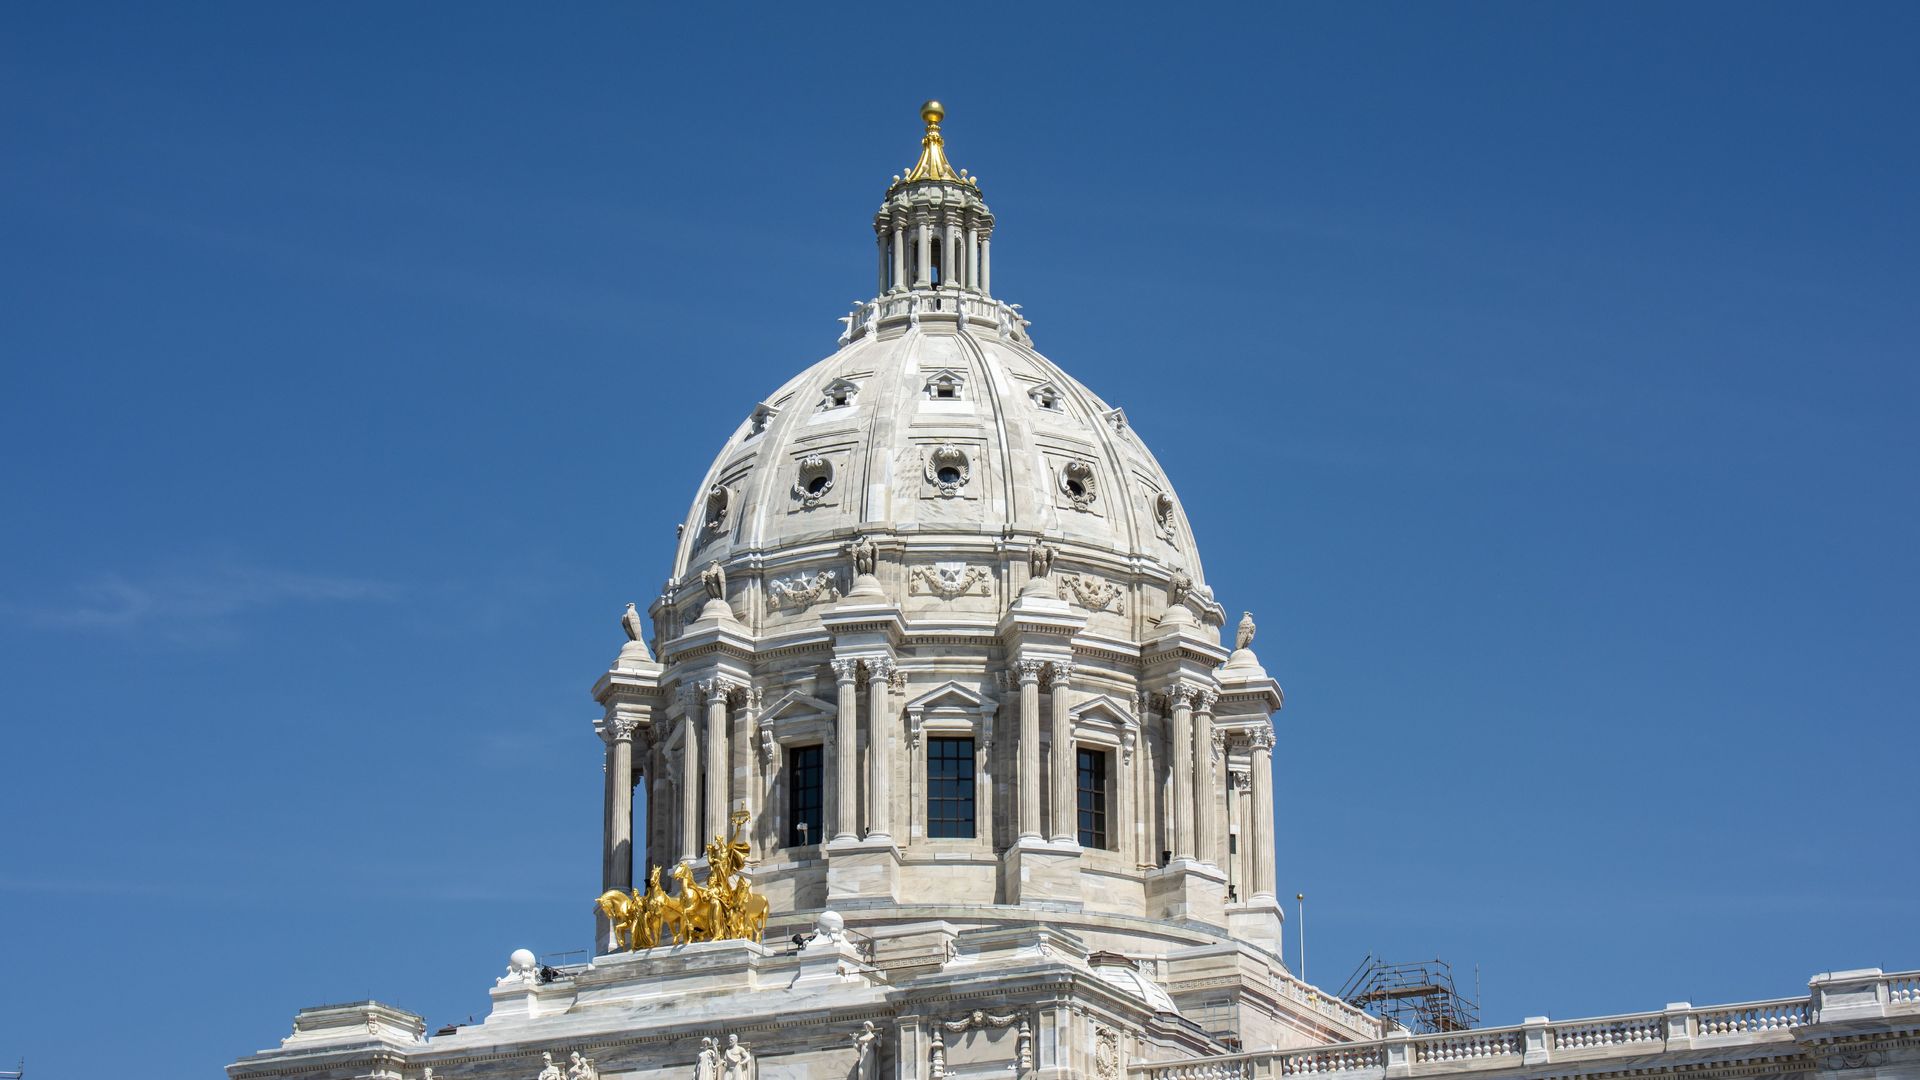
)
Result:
{"points": [[881, 737], [846, 756], [1179, 816], [1064, 773], [1027, 771]]}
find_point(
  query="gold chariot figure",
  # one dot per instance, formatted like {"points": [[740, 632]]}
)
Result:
{"points": [[724, 908]]}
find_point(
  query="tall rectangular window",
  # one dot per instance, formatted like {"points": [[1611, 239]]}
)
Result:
{"points": [[950, 788], [803, 795], [1093, 798]]}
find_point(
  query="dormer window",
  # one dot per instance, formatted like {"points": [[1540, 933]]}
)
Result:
{"points": [[1046, 396], [944, 385], [763, 414], [839, 394]]}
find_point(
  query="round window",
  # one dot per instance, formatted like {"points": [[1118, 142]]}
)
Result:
{"points": [[818, 485], [1075, 488], [949, 474]]}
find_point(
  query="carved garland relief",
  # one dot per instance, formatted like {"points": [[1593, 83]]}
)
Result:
{"points": [[1091, 593], [948, 580], [803, 590]]}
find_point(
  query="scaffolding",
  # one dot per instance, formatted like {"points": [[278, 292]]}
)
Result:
{"points": [[1419, 996]]}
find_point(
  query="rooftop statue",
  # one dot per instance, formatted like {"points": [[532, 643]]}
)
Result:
{"points": [[724, 908]]}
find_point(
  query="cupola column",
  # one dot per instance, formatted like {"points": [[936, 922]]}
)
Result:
{"points": [[1028, 769], [880, 246], [1206, 801], [880, 749], [986, 267], [1179, 809], [846, 756], [716, 691], [899, 256], [923, 233], [1064, 773], [973, 258], [1261, 820]]}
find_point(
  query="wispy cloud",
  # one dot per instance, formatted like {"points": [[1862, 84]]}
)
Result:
{"points": [[192, 604]]}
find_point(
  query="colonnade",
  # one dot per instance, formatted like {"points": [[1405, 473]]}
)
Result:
{"points": [[966, 255], [1191, 822]]}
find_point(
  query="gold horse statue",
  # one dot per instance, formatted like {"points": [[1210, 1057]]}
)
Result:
{"points": [[725, 907]]}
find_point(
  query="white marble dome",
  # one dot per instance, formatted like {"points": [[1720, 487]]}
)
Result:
{"points": [[933, 432]]}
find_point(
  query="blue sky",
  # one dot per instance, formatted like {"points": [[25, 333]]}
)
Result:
{"points": [[1542, 376]]}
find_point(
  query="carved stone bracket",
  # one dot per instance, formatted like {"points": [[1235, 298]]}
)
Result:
{"points": [[948, 580], [1091, 593]]}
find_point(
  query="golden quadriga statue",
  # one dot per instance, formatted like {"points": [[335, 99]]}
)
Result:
{"points": [[725, 907]]}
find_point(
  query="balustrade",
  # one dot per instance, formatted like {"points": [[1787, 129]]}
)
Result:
{"points": [[1468, 1046], [1626, 1030]]}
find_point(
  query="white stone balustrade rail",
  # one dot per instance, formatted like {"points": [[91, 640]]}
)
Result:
{"points": [[975, 308], [1577, 1044], [1348, 1016]]}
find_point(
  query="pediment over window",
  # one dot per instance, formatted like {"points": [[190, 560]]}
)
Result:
{"points": [[1104, 711], [951, 707]]}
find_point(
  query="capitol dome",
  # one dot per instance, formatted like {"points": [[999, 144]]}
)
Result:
{"points": [[937, 643]]}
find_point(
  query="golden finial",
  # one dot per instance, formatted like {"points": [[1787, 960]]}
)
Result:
{"points": [[933, 163]]}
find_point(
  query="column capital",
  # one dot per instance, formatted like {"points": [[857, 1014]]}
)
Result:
{"points": [[719, 687], [621, 728], [1180, 694], [1261, 737], [845, 669], [879, 668], [1060, 673], [1028, 671], [1204, 698]]}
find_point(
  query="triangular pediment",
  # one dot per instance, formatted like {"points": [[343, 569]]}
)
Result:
{"points": [[1105, 707], [952, 695]]}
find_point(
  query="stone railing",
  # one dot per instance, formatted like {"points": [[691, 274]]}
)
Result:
{"points": [[964, 305], [1351, 1017], [1577, 1044]]}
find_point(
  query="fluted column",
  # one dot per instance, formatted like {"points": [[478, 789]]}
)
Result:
{"points": [[718, 770], [617, 866], [1028, 768], [690, 781], [881, 738], [1180, 807], [986, 266], [1066, 817], [1206, 800], [846, 758], [899, 257], [1261, 820], [923, 268]]}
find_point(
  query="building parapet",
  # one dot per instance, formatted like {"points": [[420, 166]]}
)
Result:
{"points": [[1577, 1046]]}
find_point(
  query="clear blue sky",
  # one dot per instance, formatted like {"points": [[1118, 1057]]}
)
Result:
{"points": [[1542, 376]]}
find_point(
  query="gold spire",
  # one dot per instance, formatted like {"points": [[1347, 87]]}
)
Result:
{"points": [[933, 164]]}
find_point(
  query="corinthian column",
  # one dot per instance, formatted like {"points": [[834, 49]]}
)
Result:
{"points": [[924, 265], [1206, 801], [1066, 816], [690, 780], [1028, 768], [880, 740], [1261, 820], [717, 692], [1180, 807], [617, 866], [845, 751]]}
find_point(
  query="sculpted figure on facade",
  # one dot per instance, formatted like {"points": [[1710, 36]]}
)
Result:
{"points": [[1243, 635], [581, 1068], [707, 1065], [549, 1070], [630, 622], [864, 556], [737, 1061], [714, 577], [865, 1055], [1040, 560]]}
